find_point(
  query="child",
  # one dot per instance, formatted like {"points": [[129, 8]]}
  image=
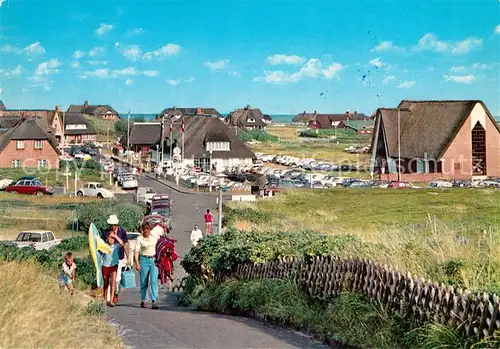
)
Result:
{"points": [[68, 273], [208, 222], [110, 265]]}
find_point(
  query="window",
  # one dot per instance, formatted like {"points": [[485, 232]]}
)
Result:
{"points": [[16, 163], [44, 237], [76, 127], [218, 146], [42, 163], [20, 145], [478, 150], [38, 144], [50, 236], [250, 120]]}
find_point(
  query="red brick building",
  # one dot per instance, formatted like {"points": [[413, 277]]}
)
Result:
{"points": [[28, 144], [436, 139]]}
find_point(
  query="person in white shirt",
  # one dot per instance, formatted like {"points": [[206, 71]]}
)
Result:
{"points": [[196, 235], [145, 250], [68, 273]]}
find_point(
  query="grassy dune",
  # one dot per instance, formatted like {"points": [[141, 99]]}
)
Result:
{"points": [[447, 235], [34, 313]]}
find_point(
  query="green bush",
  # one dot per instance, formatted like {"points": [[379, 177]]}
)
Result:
{"points": [[256, 135], [224, 252], [129, 214], [95, 308], [52, 259]]}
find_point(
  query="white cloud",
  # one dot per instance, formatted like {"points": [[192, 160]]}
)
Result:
{"points": [[1, 3], [128, 82], [388, 79], [407, 84], [313, 69], [191, 79], [132, 52], [235, 73], [75, 64], [460, 79], [99, 73], [430, 42], [173, 82], [34, 49], [217, 65], [151, 73], [162, 52], [48, 67], [103, 28], [15, 72], [95, 51], [97, 62], [284, 59], [377, 62], [458, 68], [497, 29], [10, 49], [387, 46], [107, 73], [78, 54]]}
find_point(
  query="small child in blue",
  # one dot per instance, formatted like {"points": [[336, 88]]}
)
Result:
{"points": [[110, 265]]}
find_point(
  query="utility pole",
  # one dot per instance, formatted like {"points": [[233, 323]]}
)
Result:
{"points": [[128, 130], [399, 145], [162, 138]]}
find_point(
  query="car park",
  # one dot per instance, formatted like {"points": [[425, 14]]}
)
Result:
{"points": [[95, 189]]}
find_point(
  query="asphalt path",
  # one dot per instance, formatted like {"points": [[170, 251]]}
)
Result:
{"points": [[178, 327]]}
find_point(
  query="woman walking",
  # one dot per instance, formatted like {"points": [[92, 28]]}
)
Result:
{"points": [[145, 250]]}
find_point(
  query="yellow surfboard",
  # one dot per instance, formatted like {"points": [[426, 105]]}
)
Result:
{"points": [[97, 244]]}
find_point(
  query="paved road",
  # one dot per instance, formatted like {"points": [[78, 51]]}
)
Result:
{"points": [[177, 327]]}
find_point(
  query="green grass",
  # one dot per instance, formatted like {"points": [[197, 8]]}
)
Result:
{"points": [[450, 236], [52, 177], [102, 125]]}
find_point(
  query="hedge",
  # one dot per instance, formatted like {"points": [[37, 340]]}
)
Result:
{"points": [[129, 214]]}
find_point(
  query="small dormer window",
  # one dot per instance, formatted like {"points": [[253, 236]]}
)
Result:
{"points": [[251, 120], [218, 146]]}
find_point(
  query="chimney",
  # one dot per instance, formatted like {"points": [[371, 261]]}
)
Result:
{"points": [[199, 111], [248, 107], [57, 108], [86, 104], [315, 112]]}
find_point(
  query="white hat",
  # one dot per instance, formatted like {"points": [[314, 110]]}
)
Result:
{"points": [[113, 220]]}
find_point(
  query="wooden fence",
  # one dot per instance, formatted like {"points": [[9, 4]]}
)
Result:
{"points": [[470, 313]]}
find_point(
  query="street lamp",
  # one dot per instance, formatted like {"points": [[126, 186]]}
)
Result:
{"points": [[220, 177], [210, 172]]}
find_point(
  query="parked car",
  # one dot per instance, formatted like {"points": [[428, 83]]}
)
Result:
{"points": [[29, 185], [401, 185], [4, 183], [95, 189], [129, 182], [359, 184], [144, 195], [38, 239], [439, 184]]}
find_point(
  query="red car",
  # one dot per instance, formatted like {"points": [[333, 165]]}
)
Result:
{"points": [[29, 185]]}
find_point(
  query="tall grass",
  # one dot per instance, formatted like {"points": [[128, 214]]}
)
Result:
{"points": [[448, 236], [35, 313]]}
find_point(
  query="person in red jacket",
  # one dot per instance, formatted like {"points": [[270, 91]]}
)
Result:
{"points": [[208, 222]]}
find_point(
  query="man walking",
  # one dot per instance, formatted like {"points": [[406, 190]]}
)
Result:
{"points": [[123, 252], [196, 235]]}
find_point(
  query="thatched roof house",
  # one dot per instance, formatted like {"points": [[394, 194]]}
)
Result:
{"points": [[103, 111], [176, 112], [436, 138], [322, 121], [247, 118]]}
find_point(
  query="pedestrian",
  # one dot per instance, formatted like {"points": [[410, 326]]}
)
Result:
{"points": [[208, 222], [196, 235], [110, 263], [123, 252], [68, 273], [145, 251]]}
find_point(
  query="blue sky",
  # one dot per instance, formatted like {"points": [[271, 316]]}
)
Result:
{"points": [[281, 56]]}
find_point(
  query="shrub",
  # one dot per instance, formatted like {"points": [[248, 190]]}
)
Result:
{"points": [[95, 308], [129, 214]]}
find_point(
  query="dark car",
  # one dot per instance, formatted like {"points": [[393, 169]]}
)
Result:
{"points": [[29, 185]]}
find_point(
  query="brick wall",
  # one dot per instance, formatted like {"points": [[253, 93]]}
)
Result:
{"points": [[29, 156]]}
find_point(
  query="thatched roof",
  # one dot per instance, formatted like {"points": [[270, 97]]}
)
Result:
{"points": [[324, 119], [427, 127], [28, 129], [169, 112], [78, 119], [145, 133], [241, 117], [94, 110], [2, 106]]}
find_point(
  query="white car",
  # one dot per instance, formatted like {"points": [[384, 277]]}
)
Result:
{"points": [[145, 194], [96, 190], [129, 182], [38, 239], [4, 183], [440, 184], [82, 156]]}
